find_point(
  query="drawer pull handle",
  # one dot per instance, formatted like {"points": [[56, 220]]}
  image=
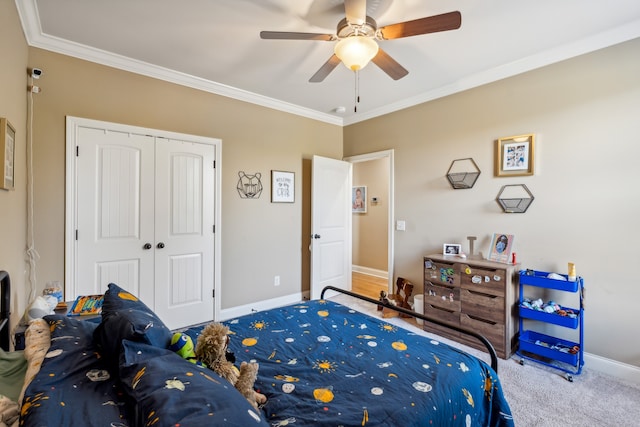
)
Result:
{"points": [[482, 320], [441, 309], [482, 294]]}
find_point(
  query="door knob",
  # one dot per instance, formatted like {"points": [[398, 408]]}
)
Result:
{"points": [[315, 236], [147, 246], [160, 245]]}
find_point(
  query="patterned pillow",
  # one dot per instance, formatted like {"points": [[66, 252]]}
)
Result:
{"points": [[125, 317], [73, 381], [170, 391]]}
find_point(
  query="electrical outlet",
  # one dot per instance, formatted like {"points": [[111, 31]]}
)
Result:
{"points": [[276, 281]]}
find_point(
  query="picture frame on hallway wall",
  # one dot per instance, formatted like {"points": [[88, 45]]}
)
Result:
{"points": [[515, 155], [7, 154], [283, 187], [359, 199]]}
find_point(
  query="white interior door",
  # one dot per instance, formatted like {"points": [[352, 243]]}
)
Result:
{"points": [[141, 213], [184, 232], [330, 225], [115, 211]]}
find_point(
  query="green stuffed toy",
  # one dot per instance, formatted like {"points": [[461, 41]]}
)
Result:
{"points": [[183, 345]]}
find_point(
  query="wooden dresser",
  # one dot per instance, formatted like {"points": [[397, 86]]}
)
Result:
{"points": [[474, 294]]}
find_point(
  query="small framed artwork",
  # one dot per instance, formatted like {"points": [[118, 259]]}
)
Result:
{"points": [[451, 249], [283, 187], [7, 154], [514, 155], [359, 199], [500, 248]]}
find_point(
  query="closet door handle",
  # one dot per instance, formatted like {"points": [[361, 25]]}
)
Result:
{"points": [[147, 246], [160, 245]]}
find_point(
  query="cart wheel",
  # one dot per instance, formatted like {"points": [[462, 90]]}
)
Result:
{"points": [[570, 378]]}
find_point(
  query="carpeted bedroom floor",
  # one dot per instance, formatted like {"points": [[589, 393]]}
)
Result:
{"points": [[540, 396]]}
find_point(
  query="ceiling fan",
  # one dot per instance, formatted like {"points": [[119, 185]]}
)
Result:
{"points": [[356, 37]]}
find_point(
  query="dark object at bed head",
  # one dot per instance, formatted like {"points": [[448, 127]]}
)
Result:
{"points": [[5, 304]]}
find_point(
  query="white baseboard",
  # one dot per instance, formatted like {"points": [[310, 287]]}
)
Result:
{"points": [[611, 367], [231, 313], [370, 271]]}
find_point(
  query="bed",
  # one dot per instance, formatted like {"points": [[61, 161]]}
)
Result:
{"points": [[321, 363]]}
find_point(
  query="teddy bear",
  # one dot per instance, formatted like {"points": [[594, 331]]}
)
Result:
{"points": [[211, 349]]}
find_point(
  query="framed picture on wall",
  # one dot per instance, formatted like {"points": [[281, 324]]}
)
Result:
{"points": [[359, 199], [7, 154], [514, 155], [283, 187]]}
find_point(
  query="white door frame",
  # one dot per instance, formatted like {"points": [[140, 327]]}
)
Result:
{"points": [[390, 229], [72, 126]]}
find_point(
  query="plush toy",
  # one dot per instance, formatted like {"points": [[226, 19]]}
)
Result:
{"points": [[183, 345], [211, 349]]}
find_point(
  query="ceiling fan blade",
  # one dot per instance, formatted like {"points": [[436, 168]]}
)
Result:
{"points": [[285, 35], [324, 71], [431, 24], [356, 11], [389, 65]]}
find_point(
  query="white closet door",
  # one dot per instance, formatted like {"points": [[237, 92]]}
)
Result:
{"points": [[115, 211], [184, 235]]}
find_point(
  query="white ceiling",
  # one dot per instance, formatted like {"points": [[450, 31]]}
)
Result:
{"points": [[214, 45]]}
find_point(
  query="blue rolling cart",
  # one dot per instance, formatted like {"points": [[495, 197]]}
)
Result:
{"points": [[565, 355]]}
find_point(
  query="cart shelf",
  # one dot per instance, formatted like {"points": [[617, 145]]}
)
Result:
{"points": [[555, 352]]}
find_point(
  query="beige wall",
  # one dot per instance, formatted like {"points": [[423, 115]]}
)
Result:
{"points": [[585, 113], [259, 239], [13, 106], [370, 229]]}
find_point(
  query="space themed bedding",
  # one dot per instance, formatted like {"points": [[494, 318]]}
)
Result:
{"points": [[324, 364]]}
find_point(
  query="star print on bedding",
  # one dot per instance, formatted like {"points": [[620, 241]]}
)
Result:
{"points": [[322, 363]]}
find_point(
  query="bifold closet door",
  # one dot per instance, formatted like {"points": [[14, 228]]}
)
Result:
{"points": [[184, 232], [115, 212], [145, 220]]}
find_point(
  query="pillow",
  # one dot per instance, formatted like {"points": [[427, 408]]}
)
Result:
{"points": [[171, 391], [73, 382], [125, 317]]}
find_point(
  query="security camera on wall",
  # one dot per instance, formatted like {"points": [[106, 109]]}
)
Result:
{"points": [[36, 73]]}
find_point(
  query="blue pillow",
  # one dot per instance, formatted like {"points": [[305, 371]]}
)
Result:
{"points": [[73, 381], [170, 391], [125, 317]]}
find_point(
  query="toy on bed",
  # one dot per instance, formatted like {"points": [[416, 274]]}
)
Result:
{"points": [[183, 345], [211, 349]]}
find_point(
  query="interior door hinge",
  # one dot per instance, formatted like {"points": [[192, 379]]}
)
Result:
{"points": [[213, 293], [76, 234], [214, 164], [214, 229], [77, 151]]}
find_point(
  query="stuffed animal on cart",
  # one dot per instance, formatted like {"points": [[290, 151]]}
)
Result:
{"points": [[183, 345], [211, 349]]}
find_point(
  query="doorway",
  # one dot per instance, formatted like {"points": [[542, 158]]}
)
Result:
{"points": [[373, 237]]}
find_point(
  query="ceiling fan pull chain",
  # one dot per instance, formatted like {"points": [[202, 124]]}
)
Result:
{"points": [[357, 90]]}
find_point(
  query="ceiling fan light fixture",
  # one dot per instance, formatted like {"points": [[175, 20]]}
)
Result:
{"points": [[355, 52]]}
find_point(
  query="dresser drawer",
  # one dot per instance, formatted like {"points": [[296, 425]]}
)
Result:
{"points": [[442, 296], [440, 271], [492, 331], [447, 316], [483, 306], [488, 281]]}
